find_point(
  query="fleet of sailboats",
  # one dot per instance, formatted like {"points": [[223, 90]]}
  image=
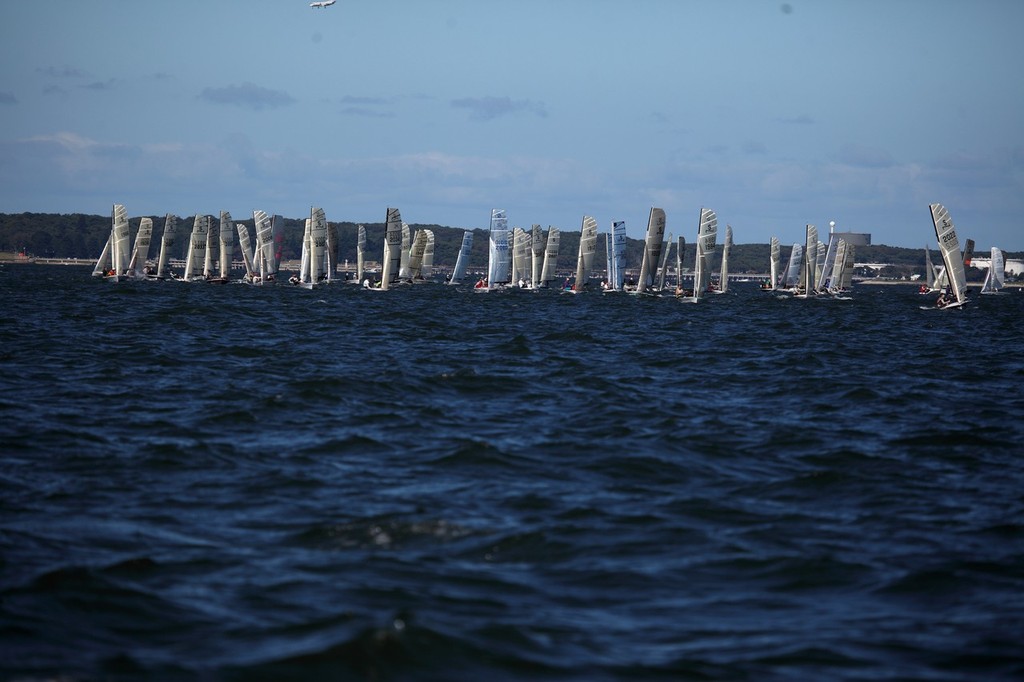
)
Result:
{"points": [[519, 258]]}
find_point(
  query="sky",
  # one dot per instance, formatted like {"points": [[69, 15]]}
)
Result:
{"points": [[774, 114]]}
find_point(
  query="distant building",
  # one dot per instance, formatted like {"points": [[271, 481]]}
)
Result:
{"points": [[855, 238], [1012, 267]]}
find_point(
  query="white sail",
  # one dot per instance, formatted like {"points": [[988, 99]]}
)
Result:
{"points": [[360, 252], [120, 241], [616, 245], [723, 281], [537, 255], [245, 246], [462, 260], [826, 279], [680, 251], [810, 263], [652, 249], [497, 254], [792, 274], [547, 271], [227, 244], [211, 240], [317, 244], [428, 256], [949, 247], [995, 277], [167, 241], [834, 279], [666, 248], [140, 252], [414, 268], [707, 233], [103, 262], [588, 246], [403, 263], [265, 262], [392, 249], [845, 280], [305, 260], [196, 247], [775, 260]]}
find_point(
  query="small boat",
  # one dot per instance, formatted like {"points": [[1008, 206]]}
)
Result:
{"points": [[652, 251], [462, 260], [995, 276], [949, 246]]}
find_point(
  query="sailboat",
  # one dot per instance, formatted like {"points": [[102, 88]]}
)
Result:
{"points": [[931, 274], [666, 249], [615, 244], [707, 233], [314, 248], [809, 266], [167, 241], [140, 252], [414, 268], [585, 259], [497, 253], [536, 255], [547, 272], [392, 260], [652, 250], [723, 278], [226, 238], [403, 267], [791, 278], [680, 252], [462, 260], [949, 247], [995, 276], [245, 246], [113, 262], [360, 252], [196, 248], [774, 261]]}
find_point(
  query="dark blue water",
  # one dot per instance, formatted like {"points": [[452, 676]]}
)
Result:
{"points": [[239, 483]]}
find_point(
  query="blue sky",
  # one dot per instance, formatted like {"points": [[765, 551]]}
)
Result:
{"points": [[773, 114]]}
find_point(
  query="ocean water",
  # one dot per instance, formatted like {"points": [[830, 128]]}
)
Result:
{"points": [[239, 483]]}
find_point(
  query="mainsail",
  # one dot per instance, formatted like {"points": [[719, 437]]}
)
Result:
{"points": [[995, 276], [462, 261], [723, 283], [652, 248], [140, 252], [617, 257], [949, 247], [197, 247], [120, 238], [776, 253], [707, 233], [497, 254], [537, 255], [227, 244], [588, 246], [166, 243], [360, 252], [392, 249], [245, 245], [547, 272]]}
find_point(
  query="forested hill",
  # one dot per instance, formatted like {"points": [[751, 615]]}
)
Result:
{"points": [[79, 235]]}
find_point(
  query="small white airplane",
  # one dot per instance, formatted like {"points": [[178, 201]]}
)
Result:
{"points": [[322, 3]]}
